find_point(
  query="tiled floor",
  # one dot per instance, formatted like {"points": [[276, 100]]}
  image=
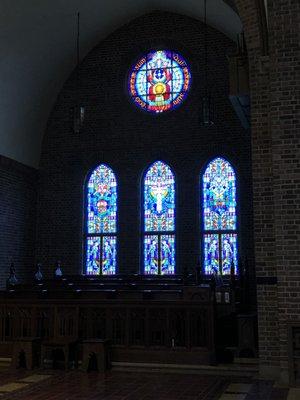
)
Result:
{"points": [[75, 385]]}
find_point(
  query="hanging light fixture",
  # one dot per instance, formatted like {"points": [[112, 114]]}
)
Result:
{"points": [[78, 115], [207, 106]]}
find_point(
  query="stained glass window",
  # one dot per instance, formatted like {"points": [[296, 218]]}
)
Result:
{"points": [[211, 253], [159, 220], [159, 81], [229, 251], [167, 254], [151, 254], [219, 217], [101, 224]]}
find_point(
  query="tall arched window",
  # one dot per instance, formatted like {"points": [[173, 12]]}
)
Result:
{"points": [[101, 222], [159, 220], [219, 217]]}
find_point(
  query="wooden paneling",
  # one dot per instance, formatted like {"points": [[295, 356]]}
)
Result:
{"points": [[168, 326]]}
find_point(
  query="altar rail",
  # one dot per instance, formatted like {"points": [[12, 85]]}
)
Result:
{"points": [[168, 326]]}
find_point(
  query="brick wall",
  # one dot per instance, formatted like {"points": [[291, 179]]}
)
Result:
{"points": [[263, 202], [116, 132], [17, 218], [285, 128], [274, 80]]}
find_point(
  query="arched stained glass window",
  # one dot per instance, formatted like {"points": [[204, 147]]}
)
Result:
{"points": [[101, 222], [159, 81], [219, 217], [159, 220]]}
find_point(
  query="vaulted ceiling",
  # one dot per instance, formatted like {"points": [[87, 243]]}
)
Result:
{"points": [[38, 42]]}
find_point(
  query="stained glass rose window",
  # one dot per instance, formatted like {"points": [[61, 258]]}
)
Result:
{"points": [[159, 81]]}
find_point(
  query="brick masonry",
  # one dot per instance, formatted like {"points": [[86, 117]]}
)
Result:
{"points": [[116, 132], [275, 100], [18, 191], [263, 202], [285, 128]]}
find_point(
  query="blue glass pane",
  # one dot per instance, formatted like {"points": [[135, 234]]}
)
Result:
{"points": [[219, 196], [109, 255], [155, 77], [159, 198], [142, 86], [151, 254], [102, 201], [211, 253], [167, 254], [229, 252], [93, 256]]}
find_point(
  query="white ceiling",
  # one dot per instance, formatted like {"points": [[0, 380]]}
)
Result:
{"points": [[37, 47]]}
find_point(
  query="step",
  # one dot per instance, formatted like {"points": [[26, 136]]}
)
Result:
{"points": [[235, 369]]}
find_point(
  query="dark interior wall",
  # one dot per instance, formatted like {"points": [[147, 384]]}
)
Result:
{"points": [[128, 139], [18, 185]]}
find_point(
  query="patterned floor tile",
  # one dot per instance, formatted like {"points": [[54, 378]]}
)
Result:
{"points": [[239, 388], [233, 396], [11, 387], [34, 378]]}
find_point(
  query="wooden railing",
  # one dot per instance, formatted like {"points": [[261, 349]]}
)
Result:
{"points": [[169, 326]]}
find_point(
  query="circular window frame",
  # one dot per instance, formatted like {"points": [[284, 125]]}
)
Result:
{"points": [[172, 105]]}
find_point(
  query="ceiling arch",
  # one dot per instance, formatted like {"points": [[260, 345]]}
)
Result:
{"points": [[38, 46]]}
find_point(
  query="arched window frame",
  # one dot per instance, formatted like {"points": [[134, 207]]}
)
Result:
{"points": [[220, 232], [161, 233], [101, 235]]}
